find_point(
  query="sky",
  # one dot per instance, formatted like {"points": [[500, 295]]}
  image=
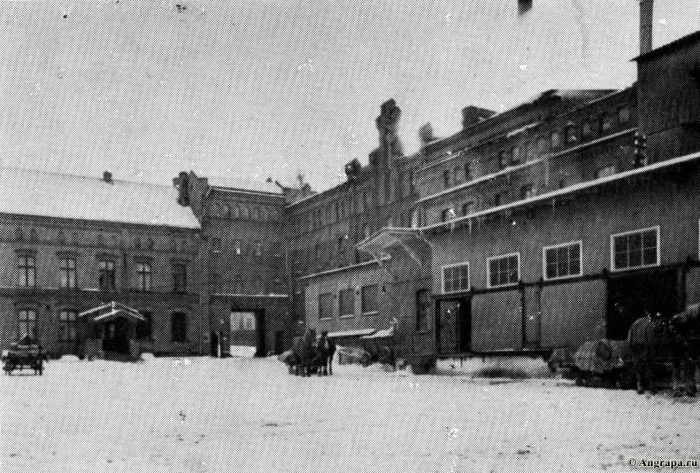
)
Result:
{"points": [[258, 88]]}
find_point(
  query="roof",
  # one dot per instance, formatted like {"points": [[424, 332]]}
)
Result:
{"points": [[249, 185], [352, 333], [50, 194], [672, 46]]}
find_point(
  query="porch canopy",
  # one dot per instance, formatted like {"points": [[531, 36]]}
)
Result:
{"points": [[385, 333], [112, 310], [379, 244]]}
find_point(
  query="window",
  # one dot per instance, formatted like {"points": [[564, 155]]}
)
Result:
{"points": [[325, 306], [108, 275], [499, 199], [258, 285], [178, 327], [604, 123], [555, 139], [27, 323], [225, 211], [144, 329], [236, 212], [137, 243], [541, 145], [19, 234], [256, 213], [68, 273], [447, 214], [216, 245], [562, 261], [257, 249], [346, 302], [502, 159], [467, 171], [245, 212], [317, 251], [61, 238], [606, 171], [586, 130], [623, 115], [179, 277], [415, 218], [467, 208], [144, 276], [529, 152], [515, 155], [238, 285], [503, 270], [27, 271], [636, 249], [446, 179], [237, 247], [216, 284], [370, 302], [455, 278], [68, 325], [527, 191], [570, 133], [33, 236], [424, 306], [455, 174], [150, 244]]}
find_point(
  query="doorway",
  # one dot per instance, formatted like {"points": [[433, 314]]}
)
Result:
{"points": [[116, 336], [631, 296], [453, 325]]}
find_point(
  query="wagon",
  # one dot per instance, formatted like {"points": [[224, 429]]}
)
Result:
{"points": [[25, 353]]}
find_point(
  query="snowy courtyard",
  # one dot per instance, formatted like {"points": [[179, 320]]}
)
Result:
{"points": [[249, 415]]}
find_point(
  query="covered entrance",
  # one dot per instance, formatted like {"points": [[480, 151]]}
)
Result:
{"points": [[109, 331], [453, 325], [631, 296]]}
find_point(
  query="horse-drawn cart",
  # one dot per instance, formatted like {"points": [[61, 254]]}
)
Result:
{"points": [[25, 353]]}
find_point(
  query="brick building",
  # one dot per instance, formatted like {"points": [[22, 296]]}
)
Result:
{"points": [[70, 243]]}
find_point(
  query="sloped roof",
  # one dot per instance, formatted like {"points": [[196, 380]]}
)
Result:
{"points": [[234, 183], [49, 194]]}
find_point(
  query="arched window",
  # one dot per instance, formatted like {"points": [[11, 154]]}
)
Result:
{"points": [[150, 244], [256, 213], [33, 235], [555, 139], [604, 123], [19, 234], [61, 237], [236, 212], [586, 130], [570, 133], [541, 145], [225, 211], [515, 155], [245, 212]]}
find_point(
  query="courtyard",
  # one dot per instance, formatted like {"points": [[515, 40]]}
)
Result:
{"points": [[250, 415]]}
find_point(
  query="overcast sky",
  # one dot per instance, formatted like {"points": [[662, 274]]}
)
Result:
{"points": [[257, 88]]}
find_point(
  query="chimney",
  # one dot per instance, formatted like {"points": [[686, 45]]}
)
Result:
{"points": [[646, 23], [107, 177]]}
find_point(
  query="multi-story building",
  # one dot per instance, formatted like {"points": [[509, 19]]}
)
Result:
{"points": [[71, 243]]}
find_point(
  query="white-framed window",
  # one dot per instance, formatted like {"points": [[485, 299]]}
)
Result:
{"points": [[562, 261], [68, 273], [144, 276], [68, 325], [503, 270], [635, 249], [369, 298], [325, 306], [346, 302], [26, 271], [455, 277], [27, 322]]}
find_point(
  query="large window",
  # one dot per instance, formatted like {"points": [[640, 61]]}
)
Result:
{"points": [[468, 208], [68, 273], [503, 270], [636, 249], [27, 322], [238, 285], [107, 277], [144, 276], [562, 261], [446, 179], [68, 325], [26, 268], [346, 302], [455, 278], [424, 306], [144, 328], [179, 327], [179, 277], [370, 302], [325, 306]]}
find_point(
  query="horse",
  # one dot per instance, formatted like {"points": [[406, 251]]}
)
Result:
{"points": [[325, 350], [659, 341], [304, 353]]}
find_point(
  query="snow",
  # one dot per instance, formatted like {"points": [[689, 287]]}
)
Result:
{"points": [[250, 415]]}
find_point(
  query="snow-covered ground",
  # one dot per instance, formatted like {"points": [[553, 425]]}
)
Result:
{"points": [[249, 415]]}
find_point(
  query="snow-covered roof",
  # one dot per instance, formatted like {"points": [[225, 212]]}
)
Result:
{"points": [[50, 194], [352, 333], [228, 182]]}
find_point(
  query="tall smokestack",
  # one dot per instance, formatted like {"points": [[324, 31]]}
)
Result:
{"points": [[646, 23]]}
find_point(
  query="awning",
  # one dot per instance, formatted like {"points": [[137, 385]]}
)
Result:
{"points": [[112, 310], [379, 244], [352, 333], [386, 333]]}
